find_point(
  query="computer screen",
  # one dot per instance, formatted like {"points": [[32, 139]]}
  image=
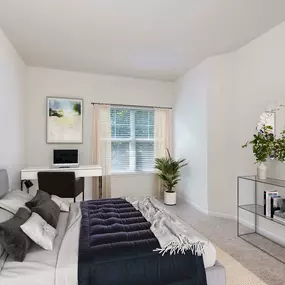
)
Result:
{"points": [[65, 156]]}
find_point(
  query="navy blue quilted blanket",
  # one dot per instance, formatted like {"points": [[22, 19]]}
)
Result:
{"points": [[116, 248]]}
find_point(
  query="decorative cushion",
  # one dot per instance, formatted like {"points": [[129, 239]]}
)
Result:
{"points": [[62, 204], [49, 211], [4, 216], [39, 231], [12, 238], [14, 200], [40, 197]]}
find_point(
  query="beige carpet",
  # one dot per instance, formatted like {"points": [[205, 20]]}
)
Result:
{"points": [[236, 273]]}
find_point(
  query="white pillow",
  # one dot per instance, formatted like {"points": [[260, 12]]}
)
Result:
{"points": [[39, 231], [14, 200], [62, 204]]}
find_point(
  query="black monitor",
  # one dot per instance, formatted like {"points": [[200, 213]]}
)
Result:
{"points": [[65, 157]]}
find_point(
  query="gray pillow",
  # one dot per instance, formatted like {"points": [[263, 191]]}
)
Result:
{"points": [[13, 239], [4, 216], [40, 197], [49, 211]]}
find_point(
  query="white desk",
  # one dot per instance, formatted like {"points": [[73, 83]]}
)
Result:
{"points": [[31, 173]]}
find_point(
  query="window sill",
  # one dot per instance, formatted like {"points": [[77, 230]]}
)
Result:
{"points": [[133, 173]]}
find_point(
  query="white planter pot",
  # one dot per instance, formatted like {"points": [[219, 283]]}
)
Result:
{"points": [[169, 198], [262, 171]]}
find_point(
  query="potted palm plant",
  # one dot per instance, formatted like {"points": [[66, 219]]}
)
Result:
{"points": [[169, 173]]}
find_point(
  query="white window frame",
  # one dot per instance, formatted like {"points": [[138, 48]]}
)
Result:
{"points": [[132, 143]]}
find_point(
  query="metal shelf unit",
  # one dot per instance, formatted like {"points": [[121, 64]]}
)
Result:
{"points": [[258, 211]]}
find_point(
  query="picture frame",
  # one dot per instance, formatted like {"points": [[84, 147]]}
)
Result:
{"points": [[64, 121]]}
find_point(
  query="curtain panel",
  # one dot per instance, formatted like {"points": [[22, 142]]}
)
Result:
{"points": [[162, 137], [101, 149]]}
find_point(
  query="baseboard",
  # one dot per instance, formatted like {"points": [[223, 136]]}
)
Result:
{"points": [[261, 230], [204, 211], [246, 223], [222, 215], [272, 236], [199, 208]]}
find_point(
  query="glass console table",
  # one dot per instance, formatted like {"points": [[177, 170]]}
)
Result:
{"points": [[253, 225]]}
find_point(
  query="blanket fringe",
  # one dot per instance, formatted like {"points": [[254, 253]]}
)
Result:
{"points": [[182, 245]]}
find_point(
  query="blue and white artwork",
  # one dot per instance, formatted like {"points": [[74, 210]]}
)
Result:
{"points": [[64, 120]]}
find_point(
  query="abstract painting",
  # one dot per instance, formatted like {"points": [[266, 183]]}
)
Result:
{"points": [[64, 120]]}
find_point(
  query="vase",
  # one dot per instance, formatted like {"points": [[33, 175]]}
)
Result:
{"points": [[262, 171], [170, 198]]}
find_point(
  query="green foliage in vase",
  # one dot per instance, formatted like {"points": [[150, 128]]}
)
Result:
{"points": [[266, 145], [169, 171], [262, 144], [279, 147]]}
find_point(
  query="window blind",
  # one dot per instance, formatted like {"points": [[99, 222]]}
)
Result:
{"points": [[132, 132]]}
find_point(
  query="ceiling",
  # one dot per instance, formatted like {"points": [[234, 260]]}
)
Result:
{"points": [[157, 39]]}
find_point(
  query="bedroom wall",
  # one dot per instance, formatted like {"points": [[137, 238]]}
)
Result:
{"points": [[258, 81], [12, 91], [221, 135], [190, 135], [92, 88], [239, 87], [260, 69], [202, 133]]}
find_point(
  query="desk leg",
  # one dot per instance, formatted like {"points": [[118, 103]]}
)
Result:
{"points": [[100, 187]]}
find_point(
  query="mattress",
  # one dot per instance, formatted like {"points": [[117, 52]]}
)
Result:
{"points": [[59, 266]]}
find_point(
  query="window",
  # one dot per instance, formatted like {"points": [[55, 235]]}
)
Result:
{"points": [[132, 132]]}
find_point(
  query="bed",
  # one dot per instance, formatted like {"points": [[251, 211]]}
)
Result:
{"points": [[60, 266]]}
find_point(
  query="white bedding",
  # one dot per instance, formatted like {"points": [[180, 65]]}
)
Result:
{"points": [[38, 268], [59, 267]]}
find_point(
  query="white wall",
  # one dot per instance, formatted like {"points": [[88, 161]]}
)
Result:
{"points": [[259, 81], [202, 133], [221, 140], [190, 134], [42, 83], [239, 87], [260, 69], [12, 89]]}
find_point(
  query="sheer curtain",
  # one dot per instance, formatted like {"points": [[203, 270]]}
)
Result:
{"points": [[162, 136], [101, 148]]}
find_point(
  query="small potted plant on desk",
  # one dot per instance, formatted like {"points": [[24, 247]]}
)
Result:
{"points": [[169, 172]]}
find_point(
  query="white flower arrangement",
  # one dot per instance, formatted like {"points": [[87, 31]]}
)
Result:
{"points": [[268, 115], [265, 143]]}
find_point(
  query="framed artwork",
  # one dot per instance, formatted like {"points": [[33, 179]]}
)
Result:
{"points": [[64, 120]]}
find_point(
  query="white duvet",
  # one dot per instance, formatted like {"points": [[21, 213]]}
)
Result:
{"points": [[59, 267]]}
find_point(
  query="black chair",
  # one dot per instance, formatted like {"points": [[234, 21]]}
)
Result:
{"points": [[62, 183]]}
